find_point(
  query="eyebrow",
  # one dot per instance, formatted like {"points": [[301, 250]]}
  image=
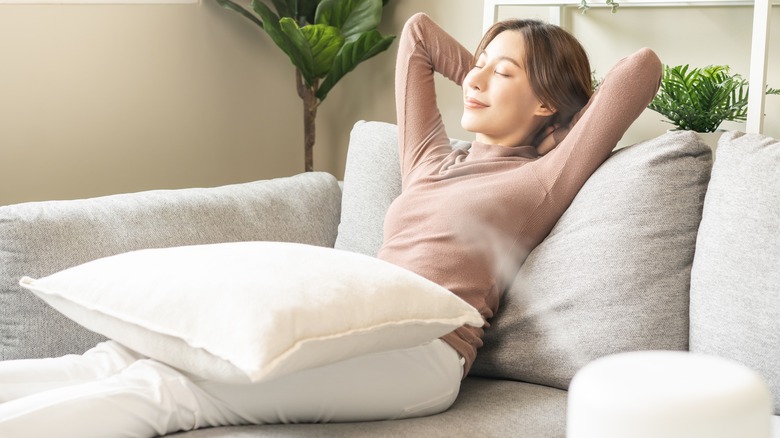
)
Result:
{"points": [[503, 58]]}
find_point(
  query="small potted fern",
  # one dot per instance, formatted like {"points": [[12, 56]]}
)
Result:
{"points": [[700, 99]]}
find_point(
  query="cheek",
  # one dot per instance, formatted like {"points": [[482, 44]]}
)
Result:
{"points": [[511, 103], [521, 100]]}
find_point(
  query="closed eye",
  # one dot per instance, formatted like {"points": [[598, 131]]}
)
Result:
{"points": [[480, 67]]}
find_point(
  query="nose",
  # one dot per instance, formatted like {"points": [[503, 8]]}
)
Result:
{"points": [[475, 80]]}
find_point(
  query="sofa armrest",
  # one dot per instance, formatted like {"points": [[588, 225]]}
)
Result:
{"points": [[41, 238]]}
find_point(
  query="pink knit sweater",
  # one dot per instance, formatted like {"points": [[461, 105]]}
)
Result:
{"points": [[467, 220]]}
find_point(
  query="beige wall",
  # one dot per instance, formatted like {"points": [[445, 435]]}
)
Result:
{"points": [[102, 99]]}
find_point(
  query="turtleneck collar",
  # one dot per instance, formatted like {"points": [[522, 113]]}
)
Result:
{"points": [[484, 150]]}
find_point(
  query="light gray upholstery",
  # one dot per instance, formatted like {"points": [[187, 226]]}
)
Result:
{"points": [[371, 182], [38, 239], [735, 283], [614, 273], [533, 421]]}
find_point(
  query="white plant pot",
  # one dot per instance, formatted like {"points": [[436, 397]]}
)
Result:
{"points": [[711, 138]]}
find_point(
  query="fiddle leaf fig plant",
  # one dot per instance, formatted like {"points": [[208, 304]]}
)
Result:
{"points": [[700, 99], [324, 39]]}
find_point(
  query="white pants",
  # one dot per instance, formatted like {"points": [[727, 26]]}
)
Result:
{"points": [[111, 391]]}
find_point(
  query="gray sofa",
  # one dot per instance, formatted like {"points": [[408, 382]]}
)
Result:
{"points": [[660, 250]]}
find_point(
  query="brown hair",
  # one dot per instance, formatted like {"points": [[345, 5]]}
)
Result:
{"points": [[556, 64]]}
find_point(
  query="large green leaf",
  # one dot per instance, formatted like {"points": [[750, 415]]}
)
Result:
{"points": [[286, 8], [307, 9], [325, 42], [273, 26], [303, 11], [301, 48], [366, 46], [233, 6], [353, 17]]}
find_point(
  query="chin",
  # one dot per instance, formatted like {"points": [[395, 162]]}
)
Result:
{"points": [[469, 125]]}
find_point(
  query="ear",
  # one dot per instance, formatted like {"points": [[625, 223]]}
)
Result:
{"points": [[544, 110]]}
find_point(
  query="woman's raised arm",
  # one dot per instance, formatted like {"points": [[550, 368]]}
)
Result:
{"points": [[424, 48], [626, 91]]}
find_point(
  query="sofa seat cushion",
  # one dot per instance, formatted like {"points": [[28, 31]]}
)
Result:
{"points": [[484, 408], [735, 282], [614, 273]]}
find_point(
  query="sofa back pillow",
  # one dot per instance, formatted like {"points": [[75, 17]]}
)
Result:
{"points": [[41, 238], [614, 273], [372, 180], [735, 280]]}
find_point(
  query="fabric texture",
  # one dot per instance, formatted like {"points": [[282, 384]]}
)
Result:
{"points": [[39, 239], [372, 180], [614, 273], [253, 311], [735, 282]]}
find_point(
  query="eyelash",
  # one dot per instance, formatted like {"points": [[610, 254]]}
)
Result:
{"points": [[479, 67]]}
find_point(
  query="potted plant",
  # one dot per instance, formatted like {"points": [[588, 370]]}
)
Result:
{"points": [[700, 99], [324, 39]]}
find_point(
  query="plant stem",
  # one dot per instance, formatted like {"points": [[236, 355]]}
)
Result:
{"points": [[310, 104]]}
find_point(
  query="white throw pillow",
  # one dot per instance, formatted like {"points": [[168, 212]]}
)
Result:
{"points": [[253, 311]]}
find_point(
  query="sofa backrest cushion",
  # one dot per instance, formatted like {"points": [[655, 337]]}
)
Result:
{"points": [[735, 281], [41, 238], [372, 180], [614, 273]]}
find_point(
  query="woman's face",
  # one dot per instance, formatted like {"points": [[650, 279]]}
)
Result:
{"points": [[499, 104]]}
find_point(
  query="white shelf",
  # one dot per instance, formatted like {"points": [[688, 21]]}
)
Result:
{"points": [[759, 46], [627, 3]]}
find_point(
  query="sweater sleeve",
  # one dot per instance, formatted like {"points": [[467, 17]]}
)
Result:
{"points": [[626, 91], [424, 48]]}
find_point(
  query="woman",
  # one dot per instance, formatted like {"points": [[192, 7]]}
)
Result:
{"points": [[465, 220]]}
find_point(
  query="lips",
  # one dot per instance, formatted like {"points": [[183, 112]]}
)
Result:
{"points": [[471, 103]]}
